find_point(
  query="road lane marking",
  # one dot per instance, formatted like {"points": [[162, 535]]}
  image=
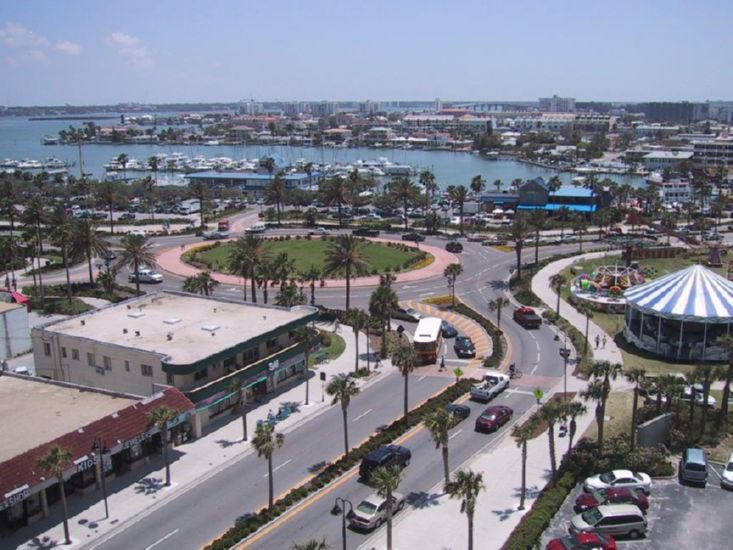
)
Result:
{"points": [[422, 378], [157, 542], [534, 369], [278, 467], [362, 415], [455, 434]]}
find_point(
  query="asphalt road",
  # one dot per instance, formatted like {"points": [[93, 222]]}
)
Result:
{"points": [[201, 513]]}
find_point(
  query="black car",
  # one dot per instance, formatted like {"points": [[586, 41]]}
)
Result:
{"points": [[365, 232], [127, 216], [453, 246], [448, 330], [385, 456], [464, 347], [415, 237], [461, 412]]}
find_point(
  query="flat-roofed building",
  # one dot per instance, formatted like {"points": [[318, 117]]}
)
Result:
{"points": [[14, 329], [659, 160], [193, 343]]}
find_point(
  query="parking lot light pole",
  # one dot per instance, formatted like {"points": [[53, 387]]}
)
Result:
{"points": [[339, 508]]}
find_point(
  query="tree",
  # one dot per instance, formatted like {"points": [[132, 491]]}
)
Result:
{"points": [[539, 223], [477, 185], [573, 409], [551, 413], [309, 337], [452, 272], [88, 243], [123, 159], [518, 233], [358, 320], [726, 342], [148, 185], [200, 191], [386, 481], [245, 258], [705, 373], [290, 295], [136, 251], [598, 390], [109, 195], [311, 544], [34, 216], [636, 376], [558, 281], [154, 163], [312, 275], [466, 486], [692, 379], [236, 386], [433, 223], [202, 283], [275, 193], [62, 236], [405, 359], [522, 434], [585, 309], [343, 255], [383, 304], [498, 184], [554, 184], [427, 180], [160, 418], [580, 225], [342, 389], [54, 461], [334, 191], [439, 423], [458, 194], [403, 190], [265, 442], [496, 305]]}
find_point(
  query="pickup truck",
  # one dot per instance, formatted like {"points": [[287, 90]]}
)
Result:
{"points": [[526, 317], [493, 383]]}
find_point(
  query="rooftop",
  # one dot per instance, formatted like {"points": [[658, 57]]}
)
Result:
{"points": [[35, 412], [182, 328], [571, 191], [7, 306], [682, 155]]}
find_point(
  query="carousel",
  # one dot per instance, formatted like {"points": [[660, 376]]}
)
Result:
{"points": [[681, 316], [603, 289]]}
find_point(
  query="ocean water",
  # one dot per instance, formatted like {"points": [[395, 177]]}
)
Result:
{"points": [[20, 138]]}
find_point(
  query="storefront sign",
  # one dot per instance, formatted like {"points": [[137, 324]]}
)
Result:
{"points": [[273, 365], [16, 496], [137, 440], [179, 420], [85, 463]]}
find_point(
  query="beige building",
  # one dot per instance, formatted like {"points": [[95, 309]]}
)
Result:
{"points": [[14, 330], [193, 343]]}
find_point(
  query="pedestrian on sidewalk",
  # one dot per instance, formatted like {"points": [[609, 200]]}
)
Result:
{"points": [[336, 325], [442, 363], [598, 341], [604, 341]]}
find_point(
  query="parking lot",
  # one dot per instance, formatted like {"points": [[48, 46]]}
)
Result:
{"points": [[679, 516]]}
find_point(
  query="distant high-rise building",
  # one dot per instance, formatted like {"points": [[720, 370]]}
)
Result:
{"points": [[324, 108], [251, 108], [557, 104], [369, 107], [438, 105]]}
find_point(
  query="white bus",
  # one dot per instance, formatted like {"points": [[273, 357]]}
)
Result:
{"points": [[428, 340]]}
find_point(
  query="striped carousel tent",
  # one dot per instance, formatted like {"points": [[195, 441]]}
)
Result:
{"points": [[681, 315]]}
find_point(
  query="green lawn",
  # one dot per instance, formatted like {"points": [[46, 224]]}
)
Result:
{"points": [[379, 257]]}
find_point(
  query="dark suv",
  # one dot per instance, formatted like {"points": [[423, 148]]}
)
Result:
{"points": [[453, 246], [365, 232], [385, 456]]}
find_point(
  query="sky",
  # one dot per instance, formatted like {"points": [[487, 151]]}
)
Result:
{"points": [[160, 51]]}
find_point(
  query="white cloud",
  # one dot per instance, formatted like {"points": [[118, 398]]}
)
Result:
{"points": [[27, 57], [14, 35], [130, 48], [68, 48]]}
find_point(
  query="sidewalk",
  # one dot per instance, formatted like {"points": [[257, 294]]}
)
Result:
{"points": [[542, 288], [134, 493]]}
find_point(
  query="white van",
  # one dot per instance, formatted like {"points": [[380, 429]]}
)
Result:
{"points": [[258, 227]]}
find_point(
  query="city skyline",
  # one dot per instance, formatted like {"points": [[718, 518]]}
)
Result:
{"points": [[87, 53]]}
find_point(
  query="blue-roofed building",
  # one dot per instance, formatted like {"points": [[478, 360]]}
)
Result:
{"points": [[535, 195], [250, 182]]}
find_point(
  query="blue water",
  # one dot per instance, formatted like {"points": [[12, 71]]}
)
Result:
{"points": [[21, 138]]}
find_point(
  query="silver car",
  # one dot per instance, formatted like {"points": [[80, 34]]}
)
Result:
{"points": [[372, 511]]}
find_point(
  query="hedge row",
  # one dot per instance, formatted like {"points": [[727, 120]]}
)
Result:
{"points": [[497, 339], [334, 470]]}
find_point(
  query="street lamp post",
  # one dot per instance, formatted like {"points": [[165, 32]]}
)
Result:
{"points": [[339, 508], [99, 448]]}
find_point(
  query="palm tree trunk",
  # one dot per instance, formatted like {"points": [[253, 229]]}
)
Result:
{"points": [[137, 278], [253, 284], [553, 461], [348, 284], [524, 475], [557, 309], [346, 430], [580, 241], [356, 360], [111, 219], [446, 472], [339, 210], [243, 409], [40, 284], [404, 213], [91, 274], [67, 538], [165, 456], [389, 520], [537, 248], [634, 406], [587, 326], [313, 293], [600, 419], [571, 433], [406, 408], [65, 254], [460, 213], [470, 531], [271, 489], [726, 392], [518, 252], [705, 393], [307, 372]]}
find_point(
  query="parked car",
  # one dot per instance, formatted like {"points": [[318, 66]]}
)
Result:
{"points": [[493, 383], [618, 520], [448, 330], [385, 456], [697, 390], [216, 235], [412, 236], [726, 481], [365, 232], [319, 231], [461, 412], [464, 347], [408, 314], [371, 512], [616, 495], [22, 370], [713, 236], [454, 246], [583, 541], [493, 418], [619, 478], [494, 241], [146, 276], [693, 466]]}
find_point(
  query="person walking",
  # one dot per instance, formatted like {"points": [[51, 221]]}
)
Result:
{"points": [[598, 341], [604, 341], [442, 363]]}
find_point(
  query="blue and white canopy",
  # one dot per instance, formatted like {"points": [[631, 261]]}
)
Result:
{"points": [[694, 293]]}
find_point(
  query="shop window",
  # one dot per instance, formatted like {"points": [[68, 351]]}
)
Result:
{"points": [[91, 360], [203, 373], [127, 366], [75, 354], [47, 349], [146, 370], [107, 363], [63, 353]]}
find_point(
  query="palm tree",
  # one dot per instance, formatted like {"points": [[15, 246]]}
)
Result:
{"points": [[154, 163], [312, 544], [122, 158], [148, 185], [88, 243], [539, 223], [160, 418], [452, 272], [343, 255], [358, 320], [383, 304], [54, 461], [477, 185], [518, 233], [266, 441], [405, 359], [706, 373], [200, 191], [459, 194], [726, 342], [310, 338], [264, 273], [136, 251], [335, 191], [402, 189], [109, 195], [466, 486], [636, 376], [236, 386], [522, 434], [62, 236], [573, 409], [386, 481], [439, 423], [275, 192], [691, 379], [245, 258], [554, 184], [557, 281], [585, 309], [427, 180], [342, 389], [312, 275], [34, 216], [498, 184], [202, 283], [290, 295], [604, 372], [551, 413], [580, 225], [496, 305]]}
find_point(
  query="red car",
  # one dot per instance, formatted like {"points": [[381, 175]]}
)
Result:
{"points": [[583, 541], [615, 495], [493, 418]]}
